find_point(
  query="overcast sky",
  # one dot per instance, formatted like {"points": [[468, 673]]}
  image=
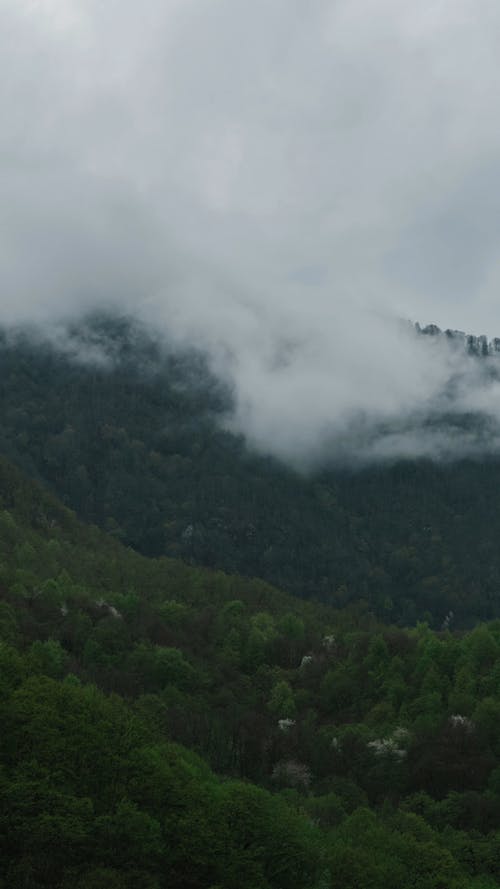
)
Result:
{"points": [[277, 178]]}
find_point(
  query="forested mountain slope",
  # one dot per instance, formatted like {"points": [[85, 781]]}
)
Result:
{"points": [[131, 436], [376, 749]]}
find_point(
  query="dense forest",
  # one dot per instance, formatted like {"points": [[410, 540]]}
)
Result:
{"points": [[165, 725], [132, 434]]}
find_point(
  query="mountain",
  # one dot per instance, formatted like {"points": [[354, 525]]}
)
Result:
{"points": [[133, 435]]}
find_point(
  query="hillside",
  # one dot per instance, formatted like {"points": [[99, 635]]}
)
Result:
{"points": [[375, 748], [131, 434]]}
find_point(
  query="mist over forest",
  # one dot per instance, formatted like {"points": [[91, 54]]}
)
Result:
{"points": [[317, 400], [142, 436]]}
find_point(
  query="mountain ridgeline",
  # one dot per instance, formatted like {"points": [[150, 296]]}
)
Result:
{"points": [[133, 435], [479, 346]]}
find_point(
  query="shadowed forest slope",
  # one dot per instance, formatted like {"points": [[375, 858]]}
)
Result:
{"points": [[132, 436]]}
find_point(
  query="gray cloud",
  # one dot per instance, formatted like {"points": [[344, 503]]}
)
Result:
{"points": [[276, 181]]}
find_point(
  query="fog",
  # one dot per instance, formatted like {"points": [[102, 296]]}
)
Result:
{"points": [[281, 184]]}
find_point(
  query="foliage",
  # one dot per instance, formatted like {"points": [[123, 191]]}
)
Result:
{"points": [[113, 664]]}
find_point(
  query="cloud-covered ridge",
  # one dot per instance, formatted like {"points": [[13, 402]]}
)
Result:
{"points": [[401, 392]]}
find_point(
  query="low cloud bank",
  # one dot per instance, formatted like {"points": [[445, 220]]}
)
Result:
{"points": [[356, 388], [314, 391]]}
